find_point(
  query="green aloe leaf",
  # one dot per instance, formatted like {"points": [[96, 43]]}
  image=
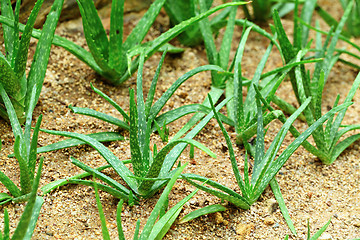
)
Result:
{"points": [[157, 163], [118, 166], [41, 57], [202, 211], [100, 176], [99, 115], [238, 200], [279, 198], [104, 229], [61, 182], [149, 226], [29, 218], [160, 103], [101, 137]]}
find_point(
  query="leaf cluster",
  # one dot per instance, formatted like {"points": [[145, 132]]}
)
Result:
{"points": [[13, 64], [328, 147]]}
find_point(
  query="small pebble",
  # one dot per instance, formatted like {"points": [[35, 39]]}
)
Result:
{"points": [[219, 219], [243, 230], [325, 236], [271, 205], [269, 221]]}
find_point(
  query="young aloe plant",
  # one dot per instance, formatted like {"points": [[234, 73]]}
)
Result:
{"points": [[25, 151], [152, 229], [328, 147], [112, 58], [265, 166], [146, 165], [13, 63], [242, 114], [27, 223]]}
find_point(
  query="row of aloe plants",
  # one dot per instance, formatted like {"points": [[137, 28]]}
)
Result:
{"points": [[117, 60]]}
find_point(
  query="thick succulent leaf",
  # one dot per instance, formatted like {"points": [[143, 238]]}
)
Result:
{"points": [[61, 182], [202, 211], [41, 57], [15, 125], [341, 146], [225, 48], [94, 30], [143, 125], [100, 176], [114, 192], [163, 225], [234, 165], [259, 160], [306, 15], [118, 220], [33, 148], [156, 211], [136, 154], [29, 218], [341, 115], [151, 93], [10, 185], [8, 78], [238, 201], [22, 53], [9, 35], [116, 58], [25, 179], [160, 103], [104, 229], [141, 29], [68, 45], [321, 231], [158, 161], [112, 102], [250, 103], [118, 166], [99, 115], [235, 108], [101, 137], [152, 47], [207, 35], [100, 52], [279, 198]]}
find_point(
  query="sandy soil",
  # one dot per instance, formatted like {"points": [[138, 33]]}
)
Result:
{"points": [[311, 190]]}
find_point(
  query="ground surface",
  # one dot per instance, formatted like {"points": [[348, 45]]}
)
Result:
{"points": [[311, 190]]}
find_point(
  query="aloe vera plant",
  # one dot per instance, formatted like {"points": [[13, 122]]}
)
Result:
{"points": [[13, 64], [147, 165], [152, 229], [27, 223], [328, 147], [110, 57], [265, 166], [25, 151]]}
